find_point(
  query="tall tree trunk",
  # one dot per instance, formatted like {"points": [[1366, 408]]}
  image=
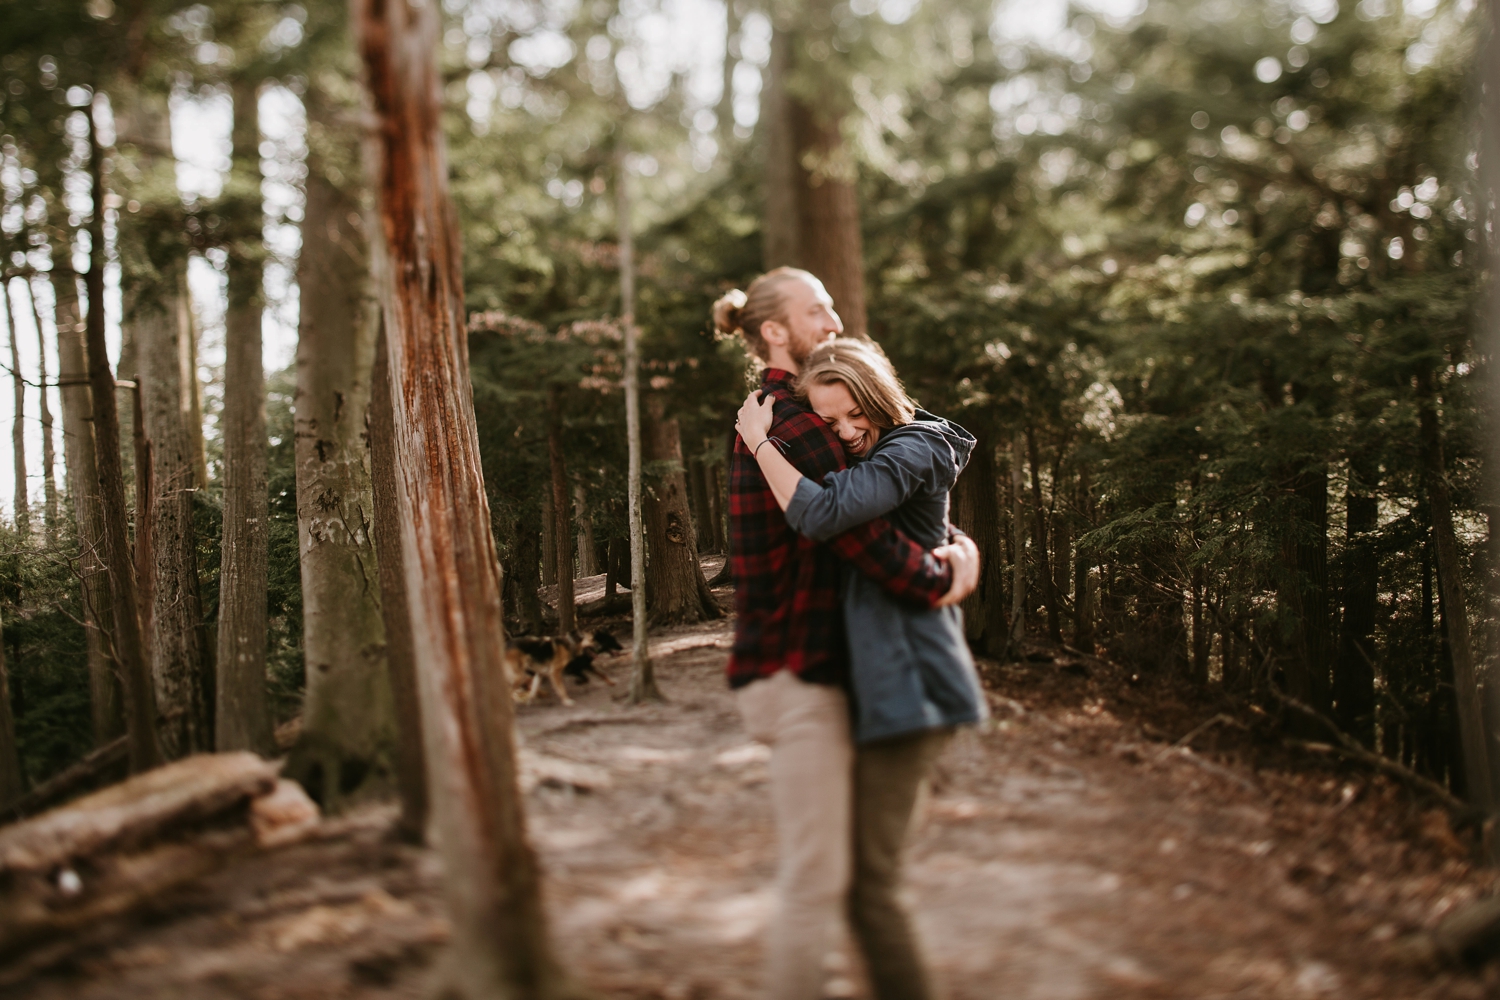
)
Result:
{"points": [[401, 658], [587, 562], [810, 172], [49, 454], [675, 587], [1039, 543], [643, 674], [18, 421], [525, 576], [502, 944], [1303, 590], [1083, 625], [726, 96], [549, 539], [351, 732], [176, 646], [135, 671], [976, 510], [105, 698], [242, 717], [1353, 675], [562, 519], [1455, 604], [12, 784], [145, 552], [1017, 633], [697, 478]]}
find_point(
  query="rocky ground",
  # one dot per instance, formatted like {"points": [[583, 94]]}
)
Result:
{"points": [[1077, 847]]}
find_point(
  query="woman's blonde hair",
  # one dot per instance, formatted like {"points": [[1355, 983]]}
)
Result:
{"points": [[867, 373], [744, 312]]}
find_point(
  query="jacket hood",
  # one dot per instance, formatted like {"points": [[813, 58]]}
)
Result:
{"points": [[959, 441]]}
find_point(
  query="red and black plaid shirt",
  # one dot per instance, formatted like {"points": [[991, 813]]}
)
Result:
{"points": [[786, 587]]}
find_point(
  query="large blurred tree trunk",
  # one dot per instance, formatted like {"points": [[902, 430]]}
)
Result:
{"points": [[135, 671], [812, 205], [675, 588], [401, 660], [18, 420], [49, 455], [562, 508], [501, 939], [105, 699], [349, 719], [1455, 605]]}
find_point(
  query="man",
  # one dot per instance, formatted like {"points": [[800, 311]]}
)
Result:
{"points": [[789, 664]]}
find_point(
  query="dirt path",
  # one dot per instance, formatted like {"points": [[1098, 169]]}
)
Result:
{"points": [[1067, 852]]}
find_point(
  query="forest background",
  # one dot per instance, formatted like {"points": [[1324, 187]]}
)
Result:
{"points": [[1201, 276]]}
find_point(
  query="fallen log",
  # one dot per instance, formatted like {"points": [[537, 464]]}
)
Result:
{"points": [[116, 850], [99, 765]]}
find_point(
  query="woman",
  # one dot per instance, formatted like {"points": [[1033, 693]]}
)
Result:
{"points": [[913, 677]]}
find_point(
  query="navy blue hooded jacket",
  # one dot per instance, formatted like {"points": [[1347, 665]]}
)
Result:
{"points": [[911, 667]]}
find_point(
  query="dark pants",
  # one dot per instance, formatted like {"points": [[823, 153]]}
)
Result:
{"points": [[887, 776]]}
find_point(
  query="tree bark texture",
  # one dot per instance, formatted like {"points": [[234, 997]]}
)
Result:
{"points": [[176, 647], [349, 720], [562, 512], [22, 509], [12, 785], [145, 552], [242, 717], [810, 173], [44, 407], [676, 590], [587, 561], [501, 938], [549, 540], [135, 671], [1466, 692], [401, 658], [105, 698]]}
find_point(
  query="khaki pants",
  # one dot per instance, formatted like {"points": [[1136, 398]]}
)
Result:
{"points": [[807, 728], [887, 778]]}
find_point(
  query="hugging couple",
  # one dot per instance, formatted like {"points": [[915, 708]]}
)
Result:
{"points": [[849, 658]]}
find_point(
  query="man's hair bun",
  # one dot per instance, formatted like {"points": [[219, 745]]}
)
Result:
{"points": [[727, 311]]}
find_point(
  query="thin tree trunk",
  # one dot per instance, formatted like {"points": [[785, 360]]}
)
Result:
{"points": [[145, 553], [587, 563], [501, 939], [1353, 675], [562, 520], [726, 96], [401, 657], [643, 676], [18, 422], [12, 784], [176, 644], [976, 510], [1018, 548], [135, 671], [242, 716], [526, 573], [105, 698], [49, 454], [1039, 540], [549, 540], [1455, 606]]}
